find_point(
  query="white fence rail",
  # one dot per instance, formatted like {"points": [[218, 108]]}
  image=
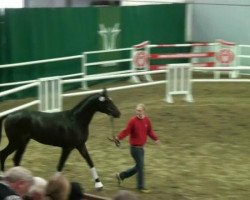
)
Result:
{"points": [[26, 105], [17, 89], [86, 63], [132, 72], [40, 61], [131, 59], [21, 64], [60, 96], [20, 88]]}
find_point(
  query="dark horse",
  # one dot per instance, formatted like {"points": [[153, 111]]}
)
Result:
{"points": [[67, 129]]}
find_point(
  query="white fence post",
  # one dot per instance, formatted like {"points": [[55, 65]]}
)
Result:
{"points": [[50, 91], [178, 78], [84, 71], [236, 73]]}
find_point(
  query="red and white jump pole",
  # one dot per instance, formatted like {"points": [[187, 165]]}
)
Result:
{"points": [[221, 53]]}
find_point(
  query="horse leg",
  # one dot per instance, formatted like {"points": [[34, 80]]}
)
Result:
{"points": [[5, 153], [64, 155], [19, 153], [85, 154]]}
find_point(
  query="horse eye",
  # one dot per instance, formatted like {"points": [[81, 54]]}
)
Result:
{"points": [[101, 98]]}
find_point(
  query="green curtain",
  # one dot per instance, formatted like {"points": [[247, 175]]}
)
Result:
{"points": [[42, 33]]}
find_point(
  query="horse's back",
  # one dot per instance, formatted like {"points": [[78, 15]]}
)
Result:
{"points": [[56, 129], [26, 118], [27, 122], [17, 120]]}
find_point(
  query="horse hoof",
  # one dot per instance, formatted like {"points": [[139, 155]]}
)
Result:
{"points": [[98, 186]]}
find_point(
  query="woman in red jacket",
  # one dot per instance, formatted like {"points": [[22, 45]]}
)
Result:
{"points": [[138, 128]]}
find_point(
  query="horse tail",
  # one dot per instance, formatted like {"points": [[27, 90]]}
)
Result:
{"points": [[1, 123]]}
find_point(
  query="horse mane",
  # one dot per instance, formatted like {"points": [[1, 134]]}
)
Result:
{"points": [[78, 108]]}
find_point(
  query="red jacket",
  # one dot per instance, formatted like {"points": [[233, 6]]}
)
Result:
{"points": [[138, 130]]}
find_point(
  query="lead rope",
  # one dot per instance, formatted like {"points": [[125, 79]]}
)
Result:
{"points": [[112, 127], [112, 139]]}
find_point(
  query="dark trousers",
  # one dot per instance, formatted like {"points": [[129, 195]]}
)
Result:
{"points": [[138, 154]]}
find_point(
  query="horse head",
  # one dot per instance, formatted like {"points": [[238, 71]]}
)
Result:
{"points": [[106, 105]]}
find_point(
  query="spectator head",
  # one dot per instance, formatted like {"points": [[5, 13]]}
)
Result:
{"points": [[19, 179], [58, 188], [37, 190]]}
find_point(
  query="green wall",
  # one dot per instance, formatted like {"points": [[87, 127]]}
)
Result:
{"points": [[43, 33]]}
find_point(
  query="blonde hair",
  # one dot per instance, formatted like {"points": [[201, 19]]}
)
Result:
{"points": [[58, 188], [141, 105]]}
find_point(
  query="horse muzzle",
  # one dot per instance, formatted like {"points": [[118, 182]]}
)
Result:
{"points": [[116, 114]]}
